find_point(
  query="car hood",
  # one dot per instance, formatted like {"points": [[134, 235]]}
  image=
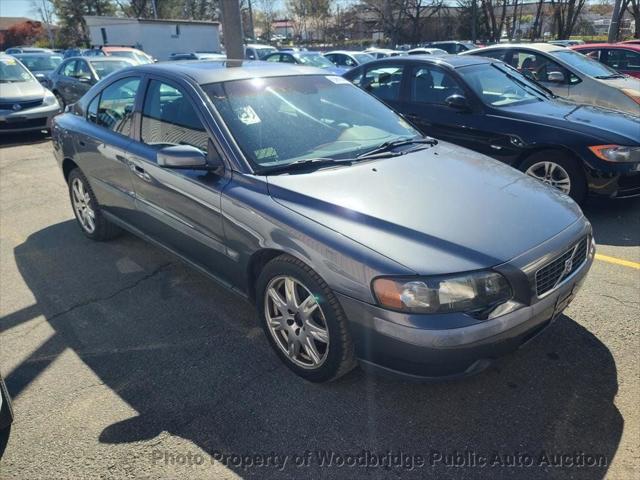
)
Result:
{"points": [[21, 91], [622, 82], [606, 124], [440, 210]]}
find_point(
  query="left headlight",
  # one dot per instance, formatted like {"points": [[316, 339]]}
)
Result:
{"points": [[616, 153], [49, 98], [473, 292]]}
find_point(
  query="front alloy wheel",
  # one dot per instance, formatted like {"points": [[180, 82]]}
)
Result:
{"points": [[551, 174], [296, 322], [303, 320]]}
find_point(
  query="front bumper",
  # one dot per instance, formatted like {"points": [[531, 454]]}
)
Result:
{"points": [[393, 343], [32, 119], [616, 185]]}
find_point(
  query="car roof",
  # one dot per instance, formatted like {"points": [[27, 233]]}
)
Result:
{"points": [[107, 48], [101, 59], [212, 71], [625, 46], [259, 45], [344, 52], [540, 47], [451, 61]]}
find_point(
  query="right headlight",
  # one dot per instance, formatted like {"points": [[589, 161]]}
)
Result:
{"points": [[49, 98], [473, 293], [616, 153]]}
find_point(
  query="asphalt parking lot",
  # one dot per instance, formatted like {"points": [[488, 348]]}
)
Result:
{"points": [[125, 363]]}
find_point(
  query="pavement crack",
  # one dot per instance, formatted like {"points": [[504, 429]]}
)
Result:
{"points": [[125, 288], [624, 303]]}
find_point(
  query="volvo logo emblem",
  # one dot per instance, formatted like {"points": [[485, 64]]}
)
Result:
{"points": [[17, 107], [568, 265]]}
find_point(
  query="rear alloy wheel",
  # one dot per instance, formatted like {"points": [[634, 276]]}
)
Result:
{"points": [[303, 320], [87, 210], [558, 171]]}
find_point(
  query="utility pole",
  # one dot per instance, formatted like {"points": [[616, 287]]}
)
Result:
{"points": [[154, 8], [474, 21], [47, 20], [614, 26], [232, 29], [252, 32]]}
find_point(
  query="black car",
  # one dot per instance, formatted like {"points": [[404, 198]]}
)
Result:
{"points": [[488, 106], [76, 75]]}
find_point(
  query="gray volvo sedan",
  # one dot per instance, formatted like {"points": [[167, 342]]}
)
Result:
{"points": [[358, 239]]}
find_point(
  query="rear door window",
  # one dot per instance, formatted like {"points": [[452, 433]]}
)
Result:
{"points": [[384, 82]]}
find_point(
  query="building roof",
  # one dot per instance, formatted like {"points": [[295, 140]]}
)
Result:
{"points": [[106, 20]]}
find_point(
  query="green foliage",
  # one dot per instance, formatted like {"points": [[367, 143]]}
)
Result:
{"points": [[73, 30]]}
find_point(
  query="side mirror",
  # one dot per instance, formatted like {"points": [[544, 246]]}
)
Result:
{"points": [[182, 156], [457, 102], [41, 77], [556, 77]]}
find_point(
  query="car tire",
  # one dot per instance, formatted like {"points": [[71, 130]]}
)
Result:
{"points": [[553, 168], [87, 210], [332, 359]]}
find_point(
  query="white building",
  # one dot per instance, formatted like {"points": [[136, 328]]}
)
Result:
{"points": [[158, 38]]}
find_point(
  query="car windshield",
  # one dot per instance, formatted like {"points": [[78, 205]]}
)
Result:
{"points": [[584, 64], [263, 52], [37, 63], [11, 71], [363, 57], [314, 59], [106, 67], [131, 55], [500, 86], [279, 120]]}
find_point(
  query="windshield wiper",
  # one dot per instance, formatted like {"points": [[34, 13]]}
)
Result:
{"points": [[301, 164], [386, 148]]}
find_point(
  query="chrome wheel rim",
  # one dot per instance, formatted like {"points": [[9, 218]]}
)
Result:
{"points": [[552, 174], [82, 206], [296, 322]]}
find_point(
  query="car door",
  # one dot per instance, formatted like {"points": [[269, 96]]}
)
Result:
{"points": [[546, 70], [64, 82], [383, 81], [622, 60], [425, 104], [178, 207], [102, 146], [84, 78]]}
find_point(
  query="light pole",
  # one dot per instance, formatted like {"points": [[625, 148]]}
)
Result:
{"points": [[614, 26]]}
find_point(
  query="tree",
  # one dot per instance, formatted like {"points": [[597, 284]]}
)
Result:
{"points": [[23, 33], [266, 14], [71, 14], [391, 14], [494, 25], [565, 15], [418, 10], [633, 7]]}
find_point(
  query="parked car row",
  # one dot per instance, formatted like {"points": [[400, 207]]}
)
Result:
{"points": [[357, 238]]}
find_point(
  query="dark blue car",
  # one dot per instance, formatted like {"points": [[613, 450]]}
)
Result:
{"points": [[488, 106], [356, 238]]}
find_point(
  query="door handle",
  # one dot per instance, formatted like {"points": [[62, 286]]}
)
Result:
{"points": [[140, 172]]}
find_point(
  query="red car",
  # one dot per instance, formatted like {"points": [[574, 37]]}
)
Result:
{"points": [[623, 57]]}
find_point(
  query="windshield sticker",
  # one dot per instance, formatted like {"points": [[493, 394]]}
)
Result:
{"points": [[8, 61], [337, 80], [268, 152], [247, 115]]}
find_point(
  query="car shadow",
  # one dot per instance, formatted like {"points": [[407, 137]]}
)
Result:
{"points": [[190, 358], [615, 222], [21, 139]]}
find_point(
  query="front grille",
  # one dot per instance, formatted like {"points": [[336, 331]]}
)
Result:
{"points": [[552, 274], [5, 105], [27, 123]]}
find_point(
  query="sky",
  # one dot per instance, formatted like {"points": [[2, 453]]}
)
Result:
{"points": [[17, 8]]}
